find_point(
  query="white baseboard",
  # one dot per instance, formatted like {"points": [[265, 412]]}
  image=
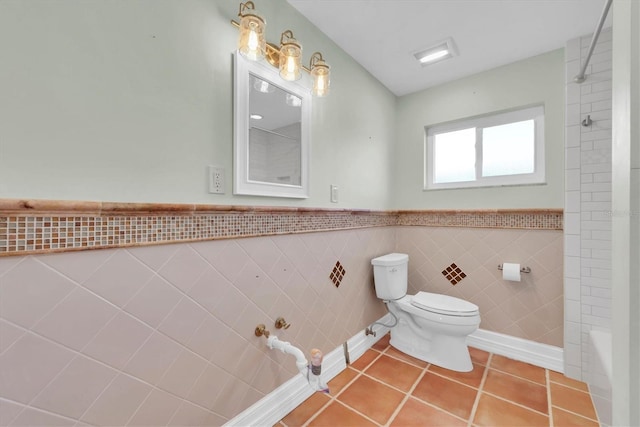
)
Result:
{"points": [[543, 355], [274, 406]]}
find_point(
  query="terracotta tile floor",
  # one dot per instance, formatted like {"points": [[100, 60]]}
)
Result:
{"points": [[387, 388]]}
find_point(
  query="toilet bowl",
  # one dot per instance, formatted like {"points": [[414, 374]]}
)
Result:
{"points": [[431, 327]]}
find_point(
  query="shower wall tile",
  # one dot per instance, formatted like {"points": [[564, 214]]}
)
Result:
{"points": [[588, 153]]}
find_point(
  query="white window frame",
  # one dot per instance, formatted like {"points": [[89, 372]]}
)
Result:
{"points": [[535, 113]]}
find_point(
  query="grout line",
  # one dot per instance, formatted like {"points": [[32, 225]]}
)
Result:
{"points": [[576, 413], [408, 395], [549, 405], [334, 397], [523, 378], [474, 408]]}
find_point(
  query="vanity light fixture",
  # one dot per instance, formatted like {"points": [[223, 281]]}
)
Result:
{"points": [[436, 53], [251, 40], [320, 72], [290, 57], [287, 57]]}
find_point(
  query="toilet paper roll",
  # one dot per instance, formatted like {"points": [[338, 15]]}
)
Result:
{"points": [[511, 272]]}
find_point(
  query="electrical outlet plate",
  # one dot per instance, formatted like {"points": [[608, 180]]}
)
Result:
{"points": [[216, 179]]}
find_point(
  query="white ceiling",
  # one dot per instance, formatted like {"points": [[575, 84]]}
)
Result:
{"points": [[382, 35]]}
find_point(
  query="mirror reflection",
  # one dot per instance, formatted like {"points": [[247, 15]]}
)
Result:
{"points": [[274, 133], [271, 132]]}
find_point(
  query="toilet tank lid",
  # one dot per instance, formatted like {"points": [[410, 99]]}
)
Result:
{"points": [[390, 259]]}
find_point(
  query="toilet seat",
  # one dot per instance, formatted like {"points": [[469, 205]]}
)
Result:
{"points": [[444, 304]]}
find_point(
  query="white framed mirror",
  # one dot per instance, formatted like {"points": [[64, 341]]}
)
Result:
{"points": [[271, 132]]}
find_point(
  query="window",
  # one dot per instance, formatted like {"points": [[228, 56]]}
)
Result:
{"points": [[501, 149]]}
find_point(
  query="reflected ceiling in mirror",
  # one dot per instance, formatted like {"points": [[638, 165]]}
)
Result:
{"points": [[271, 136]]}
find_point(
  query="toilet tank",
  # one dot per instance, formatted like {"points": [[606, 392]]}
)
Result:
{"points": [[390, 275]]}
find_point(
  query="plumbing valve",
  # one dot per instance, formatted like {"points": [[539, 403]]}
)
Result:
{"points": [[281, 323]]}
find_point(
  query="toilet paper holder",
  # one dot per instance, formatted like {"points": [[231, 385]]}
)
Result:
{"points": [[522, 269]]}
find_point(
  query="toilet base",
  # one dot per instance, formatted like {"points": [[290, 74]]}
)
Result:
{"points": [[449, 352]]}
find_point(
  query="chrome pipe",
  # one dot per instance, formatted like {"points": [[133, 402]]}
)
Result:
{"points": [[581, 75]]}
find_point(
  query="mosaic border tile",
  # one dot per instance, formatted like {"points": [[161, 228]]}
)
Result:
{"points": [[41, 226]]}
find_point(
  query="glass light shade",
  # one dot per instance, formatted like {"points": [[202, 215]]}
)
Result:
{"points": [[290, 57], [251, 41], [320, 73]]}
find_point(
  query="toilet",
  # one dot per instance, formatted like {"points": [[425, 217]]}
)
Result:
{"points": [[430, 327]]}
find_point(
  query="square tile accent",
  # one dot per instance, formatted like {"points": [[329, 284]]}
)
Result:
{"points": [[454, 274], [337, 274]]}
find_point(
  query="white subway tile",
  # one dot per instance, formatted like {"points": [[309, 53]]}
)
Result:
{"points": [[572, 158], [596, 320], [601, 273], [597, 186], [573, 136], [604, 312], [601, 235], [601, 254], [596, 282], [601, 293], [600, 67], [598, 96], [596, 244], [572, 223], [573, 93], [586, 177], [596, 206], [572, 180], [572, 354], [572, 311], [603, 167], [572, 201], [572, 288], [597, 301], [596, 225], [572, 332], [604, 105], [573, 114], [572, 245], [597, 263]]}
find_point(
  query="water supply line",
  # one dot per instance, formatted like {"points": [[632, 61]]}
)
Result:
{"points": [[310, 371], [370, 331], [301, 362]]}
